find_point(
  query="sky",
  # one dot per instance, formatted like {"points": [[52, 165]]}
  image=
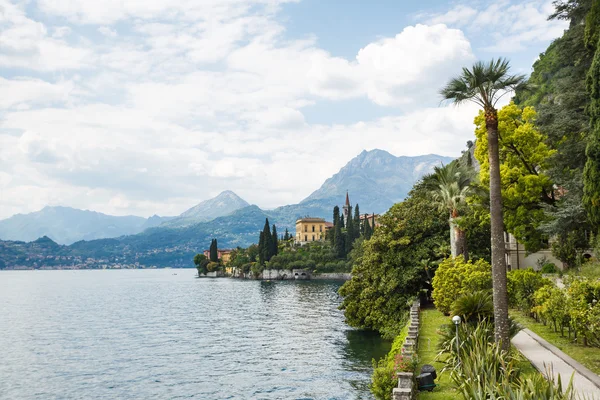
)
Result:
{"points": [[148, 107]]}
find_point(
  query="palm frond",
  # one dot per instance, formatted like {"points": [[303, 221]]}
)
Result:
{"points": [[483, 84]]}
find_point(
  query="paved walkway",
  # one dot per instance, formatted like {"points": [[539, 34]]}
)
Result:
{"points": [[543, 354]]}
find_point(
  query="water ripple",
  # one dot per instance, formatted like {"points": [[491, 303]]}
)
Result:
{"points": [[154, 335]]}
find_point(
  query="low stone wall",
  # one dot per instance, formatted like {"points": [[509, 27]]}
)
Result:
{"points": [[406, 389], [338, 276], [286, 274]]}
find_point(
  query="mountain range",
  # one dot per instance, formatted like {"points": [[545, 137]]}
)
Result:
{"points": [[66, 225], [374, 179]]}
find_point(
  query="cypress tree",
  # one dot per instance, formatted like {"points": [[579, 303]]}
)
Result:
{"points": [[591, 172], [214, 254], [338, 246], [286, 237], [275, 249], [268, 241], [342, 221], [336, 218], [357, 220], [367, 228], [261, 248], [349, 232]]}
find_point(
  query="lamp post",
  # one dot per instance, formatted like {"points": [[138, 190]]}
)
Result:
{"points": [[456, 320]]}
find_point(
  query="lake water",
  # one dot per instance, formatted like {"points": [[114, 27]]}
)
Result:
{"points": [[164, 334]]}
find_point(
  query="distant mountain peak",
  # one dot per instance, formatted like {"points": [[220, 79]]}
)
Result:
{"points": [[376, 179], [223, 204]]}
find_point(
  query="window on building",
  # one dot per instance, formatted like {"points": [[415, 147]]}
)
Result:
{"points": [[306, 238], [305, 228], [320, 228], [313, 238], [313, 228]]}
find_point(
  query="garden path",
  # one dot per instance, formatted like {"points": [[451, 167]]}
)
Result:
{"points": [[544, 355]]}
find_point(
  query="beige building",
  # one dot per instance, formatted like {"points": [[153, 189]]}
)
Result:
{"points": [[518, 258], [223, 254], [310, 230], [370, 218]]}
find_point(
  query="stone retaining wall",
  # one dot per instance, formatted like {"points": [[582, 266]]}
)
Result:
{"points": [[406, 389]]}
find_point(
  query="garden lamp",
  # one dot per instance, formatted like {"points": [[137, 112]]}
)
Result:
{"points": [[456, 320]]}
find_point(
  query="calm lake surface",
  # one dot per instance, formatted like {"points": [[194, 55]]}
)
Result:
{"points": [[164, 334]]}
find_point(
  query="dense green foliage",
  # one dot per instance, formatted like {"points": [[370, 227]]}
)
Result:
{"points": [[384, 378], [575, 308], [558, 93], [315, 256], [456, 277], [387, 272], [591, 172], [524, 156], [522, 285], [201, 263], [451, 186]]}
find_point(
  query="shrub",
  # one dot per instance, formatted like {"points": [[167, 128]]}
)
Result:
{"points": [[384, 379], [474, 307], [522, 284], [213, 266], [482, 370], [583, 304], [549, 268], [455, 277]]}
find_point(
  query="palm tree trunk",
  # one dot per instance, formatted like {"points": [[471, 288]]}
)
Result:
{"points": [[502, 328], [453, 248], [458, 240], [461, 242]]}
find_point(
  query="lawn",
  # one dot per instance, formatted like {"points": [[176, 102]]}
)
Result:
{"points": [[588, 356], [431, 320]]}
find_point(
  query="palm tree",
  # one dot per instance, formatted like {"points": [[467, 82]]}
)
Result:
{"points": [[450, 187], [484, 84]]}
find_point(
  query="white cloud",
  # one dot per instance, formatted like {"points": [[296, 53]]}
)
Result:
{"points": [[183, 99], [459, 15], [31, 92], [413, 64], [506, 25], [25, 43], [106, 31]]}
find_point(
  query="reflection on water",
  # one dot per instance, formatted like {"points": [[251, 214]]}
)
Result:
{"points": [[151, 334]]}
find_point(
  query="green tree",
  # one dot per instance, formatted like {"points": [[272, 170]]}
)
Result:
{"points": [[451, 188], [558, 93], [275, 242], [357, 227], [341, 221], [267, 248], [350, 235], [591, 172], [286, 236], [526, 187], [368, 230], [214, 252], [339, 244], [336, 218], [201, 264], [261, 248], [484, 84], [386, 269], [253, 252]]}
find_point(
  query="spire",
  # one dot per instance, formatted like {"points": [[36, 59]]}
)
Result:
{"points": [[347, 199]]}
